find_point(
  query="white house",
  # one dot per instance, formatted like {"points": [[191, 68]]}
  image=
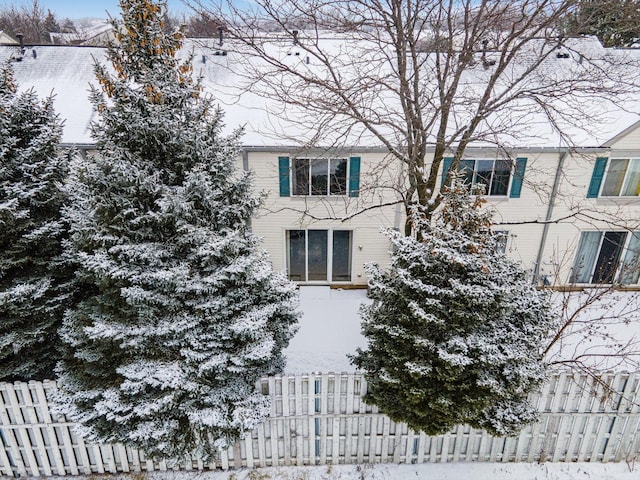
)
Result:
{"points": [[571, 214]]}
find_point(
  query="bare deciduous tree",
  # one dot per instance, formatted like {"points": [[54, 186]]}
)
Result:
{"points": [[427, 78], [32, 21]]}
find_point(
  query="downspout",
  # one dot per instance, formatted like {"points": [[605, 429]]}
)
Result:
{"points": [[549, 216], [245, 159], [245, 168], [399, 209]]}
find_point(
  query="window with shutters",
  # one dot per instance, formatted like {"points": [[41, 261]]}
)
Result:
{"points": [[486, 177], [319, 255], [319, 176], [622, 178], [607, 257], [490, 177]]}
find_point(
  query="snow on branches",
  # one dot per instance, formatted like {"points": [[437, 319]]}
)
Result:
{"points": [[184, 314], [455, 332]]}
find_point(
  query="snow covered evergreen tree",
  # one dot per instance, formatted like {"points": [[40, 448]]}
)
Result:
{"points": [[455, 331], [185, 314], [33, 279]]}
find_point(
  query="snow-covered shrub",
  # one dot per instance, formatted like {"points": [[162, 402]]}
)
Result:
{"points": [[456, 329], [185, 314], [34, 281]]}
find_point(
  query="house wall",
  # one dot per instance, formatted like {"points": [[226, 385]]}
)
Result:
{"points": [[576, 213], [279, 214], [539, 230], [536, 231]]}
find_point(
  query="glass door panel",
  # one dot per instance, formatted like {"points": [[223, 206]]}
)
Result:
{"points": [[317, 255], [296, 253], [341, 265]]}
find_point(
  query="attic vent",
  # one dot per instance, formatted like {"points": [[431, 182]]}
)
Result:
{"points": [[562, 55]]}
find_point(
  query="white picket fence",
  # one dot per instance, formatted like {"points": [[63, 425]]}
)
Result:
{"points": [[321, 419]]}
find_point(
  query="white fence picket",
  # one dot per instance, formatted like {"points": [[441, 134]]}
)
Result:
{"points": [[322, 419]]}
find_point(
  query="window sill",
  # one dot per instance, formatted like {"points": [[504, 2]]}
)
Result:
{"points": [[592, 286]]}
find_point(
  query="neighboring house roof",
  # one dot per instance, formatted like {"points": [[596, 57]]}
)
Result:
{"points": [[98, 34], [67, 72], [6, 39]]}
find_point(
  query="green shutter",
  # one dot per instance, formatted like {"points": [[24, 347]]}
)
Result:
{"points": [[354, 176], [596, 177], [283, 172], [518, 177], [446, 165]]}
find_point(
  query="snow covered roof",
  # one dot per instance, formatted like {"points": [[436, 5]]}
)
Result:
{"points": [[6, 39], [67, 71]]}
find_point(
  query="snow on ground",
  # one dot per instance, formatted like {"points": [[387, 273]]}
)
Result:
{"points": [[448, 471], [329, 331]]}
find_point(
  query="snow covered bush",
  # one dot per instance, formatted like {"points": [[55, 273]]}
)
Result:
{"points": [[34, 282], [456, 330], [184, 314]]}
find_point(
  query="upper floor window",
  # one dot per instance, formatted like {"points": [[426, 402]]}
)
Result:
{"points": [[491, 177], [615, 177], [623, 178], [319, 176], [488, 177], [607, 257]]}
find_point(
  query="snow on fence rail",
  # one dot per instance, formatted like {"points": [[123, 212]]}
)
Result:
{"points": [[321, 419]]}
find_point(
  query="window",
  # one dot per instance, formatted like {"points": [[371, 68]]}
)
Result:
{"points": [[502, 237], [319, 176], [605, 257], [319, 255], [490, 175], [622, 178]]}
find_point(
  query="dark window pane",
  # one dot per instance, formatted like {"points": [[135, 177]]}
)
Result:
{"points": [[341, 265], [615, 176], [317, 255], [609, 257], [466, 169], [484, 169], [501, 174], [338, 176], [319, 176], [301, 176], [296, 260]]}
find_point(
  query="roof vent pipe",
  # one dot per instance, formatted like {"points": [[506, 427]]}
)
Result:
{"points": [[295, 37], [21, 38], [486, 63], [220, 36]]}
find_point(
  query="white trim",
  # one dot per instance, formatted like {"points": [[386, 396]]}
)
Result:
{"points": [[329, 259]]}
